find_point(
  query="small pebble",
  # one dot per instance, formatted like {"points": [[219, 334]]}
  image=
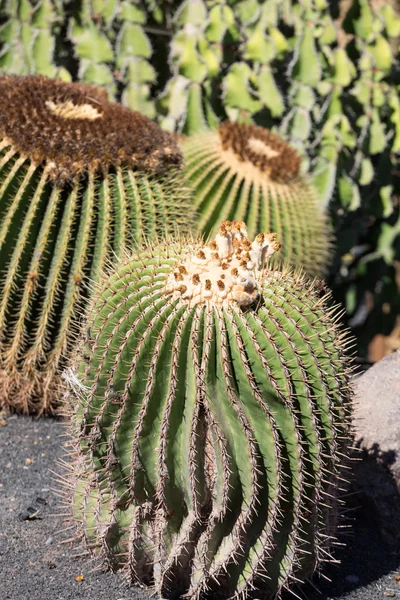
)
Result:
{"points": [[28, 461], [352, 579], [3, 423], [49, 541]]}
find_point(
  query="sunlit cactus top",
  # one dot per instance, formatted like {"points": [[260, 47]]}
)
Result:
{"points": [[244, 172], [260, 147], [73, 127], [228, 269]]}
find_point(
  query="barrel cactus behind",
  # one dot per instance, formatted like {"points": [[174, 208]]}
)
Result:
{"points": [[245, 172], [80, 178], [211, 417]]}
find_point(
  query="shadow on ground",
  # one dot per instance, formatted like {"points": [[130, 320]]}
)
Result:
{"points": [[370, 561]]}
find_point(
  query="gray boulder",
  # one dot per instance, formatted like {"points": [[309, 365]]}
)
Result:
{"points": [[377, 433], [377, 412]]}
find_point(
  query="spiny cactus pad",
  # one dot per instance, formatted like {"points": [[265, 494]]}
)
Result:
{"points": [[211, 417], [246, 172], [80, 178]]}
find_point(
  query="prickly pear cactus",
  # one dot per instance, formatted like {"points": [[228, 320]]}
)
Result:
{"points": [[99, 42], [80, 178], [31, 38], [246, 172], [211, 417]]}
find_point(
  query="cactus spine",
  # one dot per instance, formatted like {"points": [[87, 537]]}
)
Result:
{"points": [[246, 172], [210, 414], [80, 179]]}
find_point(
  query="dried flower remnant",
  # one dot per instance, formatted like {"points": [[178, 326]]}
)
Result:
{"points": [[230, 268]]}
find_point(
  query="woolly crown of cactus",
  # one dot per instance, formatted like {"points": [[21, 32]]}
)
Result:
{"points": [[73, 127], [210, 417], [245, 172], [80, 178], [263, 149]]}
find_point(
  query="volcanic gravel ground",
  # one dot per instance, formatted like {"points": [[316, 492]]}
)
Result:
{"points": [[35, 566]]}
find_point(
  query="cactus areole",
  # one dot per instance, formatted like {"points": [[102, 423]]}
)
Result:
{"points": [[80, 178], [211, 417], [247, 172]]}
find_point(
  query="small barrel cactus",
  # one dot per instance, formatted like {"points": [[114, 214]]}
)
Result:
{"points": [[211, 417], [246, 172], [80, 178]]}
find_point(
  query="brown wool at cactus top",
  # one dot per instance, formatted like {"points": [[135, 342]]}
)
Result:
{"points": [[267, 151], [73, 127]]}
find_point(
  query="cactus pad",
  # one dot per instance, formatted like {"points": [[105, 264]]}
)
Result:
{"points": [[211, 417], [80, 178], [247, 172]]}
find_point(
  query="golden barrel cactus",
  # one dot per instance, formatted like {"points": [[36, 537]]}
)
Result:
{"points": [[211, 416], [245, 172], [80, 178]]}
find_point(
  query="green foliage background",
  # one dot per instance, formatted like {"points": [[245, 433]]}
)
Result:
{"points": [[323, 74]]}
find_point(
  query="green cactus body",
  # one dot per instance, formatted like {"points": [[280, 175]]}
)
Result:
{"points": [[324, 75], [80, 178], [210, 413], [247, 173]]}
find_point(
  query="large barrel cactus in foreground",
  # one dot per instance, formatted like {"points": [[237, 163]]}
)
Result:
{"points": [[244, 172], [80, 178], [211, 416]]}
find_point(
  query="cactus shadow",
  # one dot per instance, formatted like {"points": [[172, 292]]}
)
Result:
{"points": [[372, 550]]}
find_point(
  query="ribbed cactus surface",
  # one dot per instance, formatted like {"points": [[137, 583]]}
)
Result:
{"points": [[244, 172], [80, 178], [322, 74], [210, 411]]}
